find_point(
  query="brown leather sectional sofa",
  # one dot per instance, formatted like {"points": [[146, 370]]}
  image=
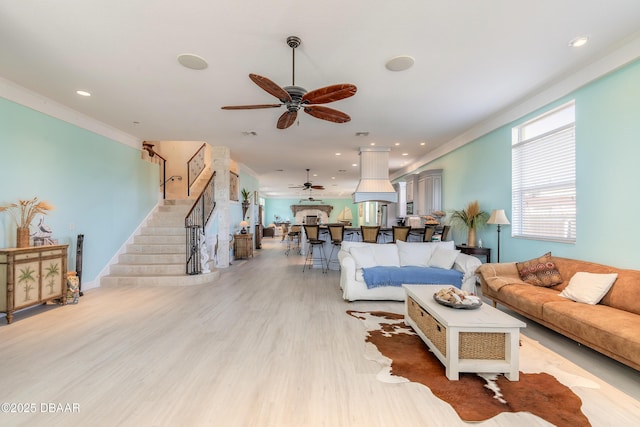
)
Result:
{"points": [[611, 327]]}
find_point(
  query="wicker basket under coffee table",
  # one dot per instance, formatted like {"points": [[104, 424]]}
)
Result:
{"points": [[465, 340]]}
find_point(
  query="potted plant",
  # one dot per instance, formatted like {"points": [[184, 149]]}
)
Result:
{"points": [[245, 201], [472, 218], [23, 214]]}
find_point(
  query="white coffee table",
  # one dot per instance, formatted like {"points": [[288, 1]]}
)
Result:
{"points": [[465, 340]]}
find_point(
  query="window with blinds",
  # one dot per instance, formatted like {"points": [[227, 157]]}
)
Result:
{"points": [[543, 162]]}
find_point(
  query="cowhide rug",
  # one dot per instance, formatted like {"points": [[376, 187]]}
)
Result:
{"points": [[475, 397]]}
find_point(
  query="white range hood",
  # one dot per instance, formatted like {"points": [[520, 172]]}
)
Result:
{"points": [[374, 185]]}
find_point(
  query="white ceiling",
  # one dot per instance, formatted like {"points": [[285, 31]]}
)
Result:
{"points": [[473, 59]]}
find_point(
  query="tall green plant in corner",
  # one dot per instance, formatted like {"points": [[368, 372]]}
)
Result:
{"points": [[472, 218]]}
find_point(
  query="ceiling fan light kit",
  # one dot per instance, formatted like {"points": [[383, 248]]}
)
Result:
{"points": [[295, 97]]}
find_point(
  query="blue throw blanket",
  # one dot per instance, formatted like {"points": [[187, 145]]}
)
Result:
{"points": [[396, 276]]}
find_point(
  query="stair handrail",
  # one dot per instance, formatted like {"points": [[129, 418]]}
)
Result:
{"points": [[163, 172], [195, 222], [195, 166]]}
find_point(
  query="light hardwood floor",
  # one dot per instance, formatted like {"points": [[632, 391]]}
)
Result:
{"points": [[266, 345]]}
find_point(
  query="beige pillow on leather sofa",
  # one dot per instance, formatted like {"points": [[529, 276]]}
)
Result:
{"points": [[589, 288]]}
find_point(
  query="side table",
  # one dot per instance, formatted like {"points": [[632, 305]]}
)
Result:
{"points": [[243, 245], [486, 252], [32, 275]]}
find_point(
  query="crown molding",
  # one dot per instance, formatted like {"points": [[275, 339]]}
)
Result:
{"points": [[42, 104], [617, 57]]}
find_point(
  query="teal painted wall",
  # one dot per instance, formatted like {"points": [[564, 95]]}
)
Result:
{"points": [[282, 207], [98, 186], [607, 153]]}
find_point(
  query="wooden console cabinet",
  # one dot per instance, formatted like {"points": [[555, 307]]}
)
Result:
{"points": [[243, 245], [30, 276]]}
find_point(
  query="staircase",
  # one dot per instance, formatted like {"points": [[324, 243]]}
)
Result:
{"points": [[157, 255]]}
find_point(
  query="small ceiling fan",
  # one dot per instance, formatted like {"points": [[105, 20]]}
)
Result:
{"points": [[295, 97], [310, 198], [308, 185]]}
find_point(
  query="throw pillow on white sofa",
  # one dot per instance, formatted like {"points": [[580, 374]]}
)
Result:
{"points": [[443, 258], [418, 254], [375, 255], [363, 257], [386, 255]]}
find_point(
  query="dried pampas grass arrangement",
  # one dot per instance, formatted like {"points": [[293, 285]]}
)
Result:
{"points": [[470, 217], [25, 211]]}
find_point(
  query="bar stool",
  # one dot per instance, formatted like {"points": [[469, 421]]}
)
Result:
{"points": [[315, 245], [370, 233], [400, 233], [336, 232], [445, 232], [428, 233]]}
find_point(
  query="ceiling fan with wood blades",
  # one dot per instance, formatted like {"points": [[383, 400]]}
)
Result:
{"points": [[295, 97], [308, 185]]}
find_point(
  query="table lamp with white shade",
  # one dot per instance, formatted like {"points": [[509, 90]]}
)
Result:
{"points": [[499, 218], [244, 224]]}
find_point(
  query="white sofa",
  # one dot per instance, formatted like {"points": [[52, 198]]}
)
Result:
{"points": [[354, 256]]}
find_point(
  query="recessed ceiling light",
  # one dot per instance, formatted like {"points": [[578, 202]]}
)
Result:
{"points": [[193, 62], [396, 144], [354, 164], [373, 143], [400, 63], [83, 93], [579, 41], [422, 143], [338, 154], [405, 154]]}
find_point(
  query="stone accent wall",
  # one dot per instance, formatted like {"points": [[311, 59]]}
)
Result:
{"points": [[221, 164]]}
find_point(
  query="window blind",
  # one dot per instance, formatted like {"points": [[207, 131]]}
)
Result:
{"points": [[544, 186]]}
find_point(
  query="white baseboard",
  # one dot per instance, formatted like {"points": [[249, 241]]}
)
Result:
{"points": [[106, 269]]}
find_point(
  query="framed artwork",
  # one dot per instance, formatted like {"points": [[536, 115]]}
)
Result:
{"points": [[409, 208], [234, 191]]}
